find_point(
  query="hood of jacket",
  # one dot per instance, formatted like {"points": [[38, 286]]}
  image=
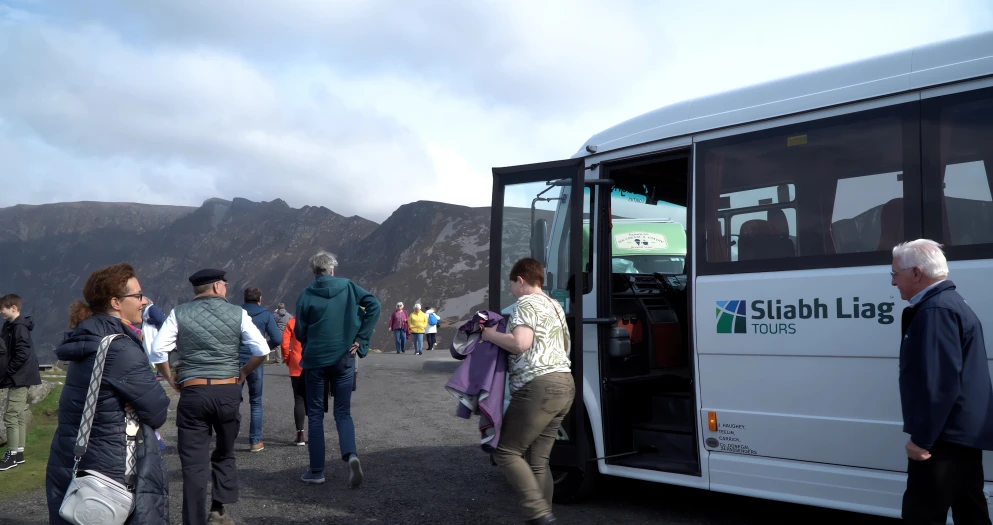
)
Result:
{"points": [[254, 309], [327, 286], [85, 339], [429, 311], [25, 321]]}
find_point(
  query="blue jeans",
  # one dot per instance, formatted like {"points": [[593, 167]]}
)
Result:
{"points": [[341, 376], [254, 382], [418, 343], [400, 338]]}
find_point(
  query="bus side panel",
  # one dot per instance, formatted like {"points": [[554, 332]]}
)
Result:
{"points": [[802, 385]]}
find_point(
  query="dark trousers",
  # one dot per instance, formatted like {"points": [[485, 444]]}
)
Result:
{"points": [[951, 478], [432, 340], [200, 411], [341, 377], [299, 401]]}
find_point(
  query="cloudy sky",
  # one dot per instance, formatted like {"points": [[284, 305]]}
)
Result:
{"points": [[361, 106]]}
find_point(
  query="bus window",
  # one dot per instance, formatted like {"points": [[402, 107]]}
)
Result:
{"points": [[962, 152], [868, 213], [824, 187]]}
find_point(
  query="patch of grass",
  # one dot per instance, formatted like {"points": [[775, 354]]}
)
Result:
{"points": [[30, 475]]}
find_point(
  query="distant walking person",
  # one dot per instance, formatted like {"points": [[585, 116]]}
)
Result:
{"points": [[113, 307], [282, 316], [400, 328], [18, 372], [418, 323], [945, 391], [292, 353], [432, 331], [151, 321], [335, 319], [266, 323], [541, 388], [207, 334]]}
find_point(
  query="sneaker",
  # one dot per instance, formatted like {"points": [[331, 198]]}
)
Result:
{"points": [[258, 447], [355, 476], [9, 461], [299, 441], [547, 518], [216, 518], [315, 478], [19, 458]]}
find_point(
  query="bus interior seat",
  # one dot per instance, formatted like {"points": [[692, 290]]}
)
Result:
{"points": [[759, 239], [890, 225]]}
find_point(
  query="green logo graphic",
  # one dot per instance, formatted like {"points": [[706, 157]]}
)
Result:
{"points": [[731, 317]]}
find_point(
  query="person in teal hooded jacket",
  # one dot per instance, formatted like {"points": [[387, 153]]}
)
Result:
{"points": [[335, 321]]}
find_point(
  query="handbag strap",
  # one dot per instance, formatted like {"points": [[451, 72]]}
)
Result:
{"points": [[89, 412], [565, 337]]}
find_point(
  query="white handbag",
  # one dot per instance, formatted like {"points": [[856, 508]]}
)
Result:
{"points": [[93, 498]]}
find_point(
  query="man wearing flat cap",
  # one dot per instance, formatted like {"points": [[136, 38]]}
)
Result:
{"points": [[206, 335]]}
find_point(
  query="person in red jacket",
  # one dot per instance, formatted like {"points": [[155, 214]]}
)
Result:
{"points": [[292, 352]]}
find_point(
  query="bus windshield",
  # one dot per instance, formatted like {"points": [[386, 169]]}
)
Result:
{"points": [[648, 235]]}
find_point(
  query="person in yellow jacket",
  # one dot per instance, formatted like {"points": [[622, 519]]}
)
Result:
{"points": [[418, 322]]}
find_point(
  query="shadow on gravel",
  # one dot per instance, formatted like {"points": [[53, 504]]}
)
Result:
{"points": [[441, 366]]}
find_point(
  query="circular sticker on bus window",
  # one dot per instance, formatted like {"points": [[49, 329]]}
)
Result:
{"points": [[641, 241]]}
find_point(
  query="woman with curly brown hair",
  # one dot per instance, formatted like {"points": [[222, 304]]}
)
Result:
{"points": [[113, 306]]}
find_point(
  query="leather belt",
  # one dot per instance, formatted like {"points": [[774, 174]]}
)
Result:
{"points": [[198, 382]]}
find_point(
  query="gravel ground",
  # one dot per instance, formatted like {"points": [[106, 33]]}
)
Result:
{"points": [[422, 466]]}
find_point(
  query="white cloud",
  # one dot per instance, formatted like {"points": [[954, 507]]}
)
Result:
{"points": [[363, 106]]}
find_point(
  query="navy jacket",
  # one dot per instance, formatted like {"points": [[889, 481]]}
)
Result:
{"points": [[945, 386], [127, 378], [266, 323], [19, 364]]}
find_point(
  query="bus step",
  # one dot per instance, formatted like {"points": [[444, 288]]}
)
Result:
{"points": [[671, 442]]}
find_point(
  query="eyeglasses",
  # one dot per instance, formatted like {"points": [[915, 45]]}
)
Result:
{"points": [[137, 296], [893, 274]]}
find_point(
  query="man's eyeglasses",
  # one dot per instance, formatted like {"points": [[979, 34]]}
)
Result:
{"points": [[893, 274], [137, 296]]}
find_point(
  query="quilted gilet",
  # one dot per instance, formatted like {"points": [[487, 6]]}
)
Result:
{"points": [[208, 339]]}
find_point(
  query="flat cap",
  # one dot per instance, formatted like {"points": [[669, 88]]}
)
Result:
{"points": [[207, 276]]}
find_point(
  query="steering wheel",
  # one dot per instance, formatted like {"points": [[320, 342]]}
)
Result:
{"points": [[660, 277]]}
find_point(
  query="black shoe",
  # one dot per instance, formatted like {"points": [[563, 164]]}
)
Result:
{"points": [[9, 461], [19, 458], [547, 518]]}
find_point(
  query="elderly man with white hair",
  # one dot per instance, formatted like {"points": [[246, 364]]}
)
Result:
{"points": [[945, 391]]}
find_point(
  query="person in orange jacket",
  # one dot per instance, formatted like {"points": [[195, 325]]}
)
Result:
{"points": [[292, 352]]}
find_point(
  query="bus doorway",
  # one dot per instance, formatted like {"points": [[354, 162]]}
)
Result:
{"points": [[648, 392]]}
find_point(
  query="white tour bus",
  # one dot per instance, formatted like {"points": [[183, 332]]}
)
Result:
{"points": [[768, 366]]}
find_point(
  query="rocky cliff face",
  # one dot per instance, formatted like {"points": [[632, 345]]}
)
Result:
{"points": [[433, 253]]}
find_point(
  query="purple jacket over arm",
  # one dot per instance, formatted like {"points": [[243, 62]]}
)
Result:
{"points": [[479, 382]]}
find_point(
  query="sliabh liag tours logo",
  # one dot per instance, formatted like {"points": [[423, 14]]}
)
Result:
{"points": [[731, 317], [785, 317]]}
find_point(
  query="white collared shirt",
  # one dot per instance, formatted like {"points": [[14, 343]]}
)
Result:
{"points": [[920, 295]]}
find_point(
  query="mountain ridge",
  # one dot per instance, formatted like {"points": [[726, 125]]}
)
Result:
{"points": [[429, 252]]}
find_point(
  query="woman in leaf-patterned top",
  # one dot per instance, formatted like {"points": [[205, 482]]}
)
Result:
{"points": [[541, 387]]}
